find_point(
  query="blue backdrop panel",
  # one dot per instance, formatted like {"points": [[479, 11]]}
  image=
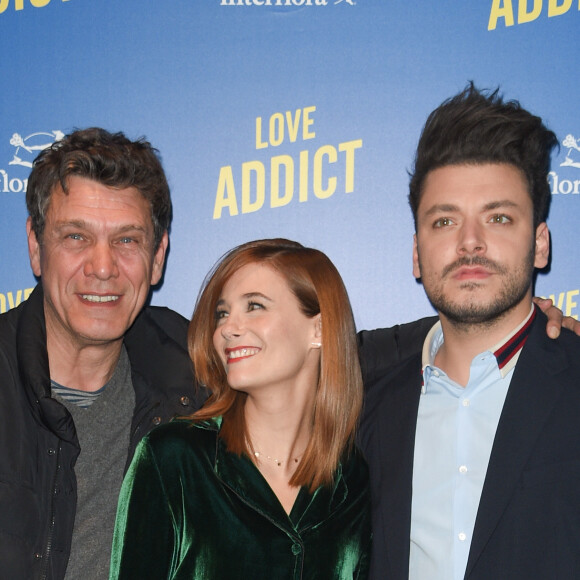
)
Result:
{"points": [[295, 118]]}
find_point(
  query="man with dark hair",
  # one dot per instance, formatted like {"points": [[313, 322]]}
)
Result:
{"points": [[86, 369], [474, 445]]}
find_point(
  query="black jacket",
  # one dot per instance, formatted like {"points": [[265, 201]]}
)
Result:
{"points": [[528, 520], [38, 442]]}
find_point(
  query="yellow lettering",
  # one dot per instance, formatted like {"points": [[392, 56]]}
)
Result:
{"points": [[276, 133], [249, 206], [276, 162], [293, 125], [570, 304], [319, 190], [226, 193], [39, 3], [501, 9], [303, 179], [524, 15], [349, 147], [259, 143], [555, 9], [307, 121], [3, 6], [558, 303], [7, 300]]}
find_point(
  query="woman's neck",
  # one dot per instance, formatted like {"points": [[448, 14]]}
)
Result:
{"points": [[278, 436]]}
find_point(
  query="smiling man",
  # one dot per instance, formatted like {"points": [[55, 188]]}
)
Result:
{"points": [[474, 446], [86, 369]]}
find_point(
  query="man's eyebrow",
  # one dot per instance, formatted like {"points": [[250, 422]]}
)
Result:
{"points": [[441, 208], [448, 207], [500, 204]]}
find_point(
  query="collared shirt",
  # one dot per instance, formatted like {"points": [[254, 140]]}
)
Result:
{"points": [[455, 431]]}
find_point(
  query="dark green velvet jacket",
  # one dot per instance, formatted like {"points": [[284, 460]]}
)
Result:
{"points": [[190, 510]]}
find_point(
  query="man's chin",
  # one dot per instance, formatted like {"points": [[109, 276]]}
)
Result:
{"points": [[473, 312], [99, 336]]}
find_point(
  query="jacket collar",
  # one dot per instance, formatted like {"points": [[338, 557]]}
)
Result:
{"points": [[34, 369]]}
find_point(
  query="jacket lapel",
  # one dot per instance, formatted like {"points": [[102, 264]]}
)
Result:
{"points": [[532, 395]]}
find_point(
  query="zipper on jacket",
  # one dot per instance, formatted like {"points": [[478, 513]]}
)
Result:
{"points": [[48, 548]]}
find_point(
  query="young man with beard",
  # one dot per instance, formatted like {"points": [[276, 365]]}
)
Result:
{"points": [[474, 445]]}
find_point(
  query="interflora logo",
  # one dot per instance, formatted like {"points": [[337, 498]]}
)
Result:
{"points": [[560, 184], [21, 4], [25, 149], [288, 4]]}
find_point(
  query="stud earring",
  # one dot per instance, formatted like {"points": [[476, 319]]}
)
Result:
{"points": [[316, 344]]}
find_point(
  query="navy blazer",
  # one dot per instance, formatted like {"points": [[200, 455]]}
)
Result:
{"points": [[528, 521]]}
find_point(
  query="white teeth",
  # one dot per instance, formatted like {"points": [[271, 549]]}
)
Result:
{"points": [[243, 352], [93, 298]]}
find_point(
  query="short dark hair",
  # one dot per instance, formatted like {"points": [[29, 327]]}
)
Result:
{"points": [[107, 158], [477, 127]]}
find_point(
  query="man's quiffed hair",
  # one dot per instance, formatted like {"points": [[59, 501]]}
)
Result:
{"points": [[477, 127], [107, 158]]}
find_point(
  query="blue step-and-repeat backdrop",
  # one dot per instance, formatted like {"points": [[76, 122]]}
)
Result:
{"points": [[294, 118]]}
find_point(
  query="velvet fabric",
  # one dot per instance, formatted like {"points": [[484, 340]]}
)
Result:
{"points": [[191, 510]]}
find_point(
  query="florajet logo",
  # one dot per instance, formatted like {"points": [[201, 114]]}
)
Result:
{"points": [[558, 185], [26, 150]]}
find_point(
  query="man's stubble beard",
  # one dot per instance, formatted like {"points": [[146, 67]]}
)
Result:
{"points": [[469, 314]]}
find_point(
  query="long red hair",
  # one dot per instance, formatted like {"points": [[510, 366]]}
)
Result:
{"points": [[317, 285]]}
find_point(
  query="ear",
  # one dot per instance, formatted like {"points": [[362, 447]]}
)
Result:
{"points": [[159, 259], [416, 267], [33, 248], [542, 247], [318, 326], [316, 332]]}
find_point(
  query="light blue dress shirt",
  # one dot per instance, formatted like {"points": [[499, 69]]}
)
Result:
{"points": [[455, 431]]}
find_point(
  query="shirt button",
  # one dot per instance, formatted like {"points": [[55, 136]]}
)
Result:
{"points": [[51, 451], [184, 400], [465, 402], [463, 469], [156, 420], [296, 549], [461, 536]]}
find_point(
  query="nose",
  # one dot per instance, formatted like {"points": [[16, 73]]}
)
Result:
{"points": [[101, 262], [471, 238], [231, 327]]}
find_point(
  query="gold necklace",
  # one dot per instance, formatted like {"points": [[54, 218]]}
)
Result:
{"points": [[259, 456]]}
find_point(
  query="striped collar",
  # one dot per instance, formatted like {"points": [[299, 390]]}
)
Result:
{"points": [[506, 351]]}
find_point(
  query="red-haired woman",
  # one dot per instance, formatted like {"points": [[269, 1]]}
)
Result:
{"points": [[264, 481]]}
